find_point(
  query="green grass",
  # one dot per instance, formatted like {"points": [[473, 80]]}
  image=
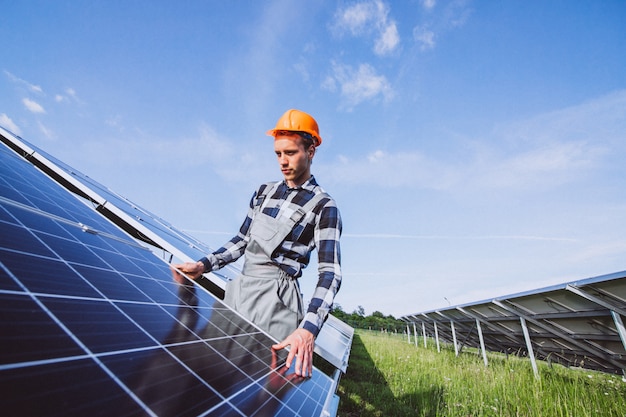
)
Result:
{"points": [[387, 376]]}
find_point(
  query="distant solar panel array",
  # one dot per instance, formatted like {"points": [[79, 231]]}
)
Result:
{"points": [[577, 324], [93, 322]]}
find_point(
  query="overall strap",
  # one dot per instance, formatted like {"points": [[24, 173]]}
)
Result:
{"points": [[310, 205], [261, 199]]}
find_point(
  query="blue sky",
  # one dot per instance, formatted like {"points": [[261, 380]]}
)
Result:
{"points": [[475, 148]]}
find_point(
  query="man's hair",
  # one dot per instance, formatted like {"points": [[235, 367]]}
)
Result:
{"points": [[307, 138]]}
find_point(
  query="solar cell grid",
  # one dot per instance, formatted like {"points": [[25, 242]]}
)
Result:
{"points": [[93, 324], [114, 205], [335, 338]]}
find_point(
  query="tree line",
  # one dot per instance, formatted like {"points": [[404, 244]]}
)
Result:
{"points": [[376, 321]]}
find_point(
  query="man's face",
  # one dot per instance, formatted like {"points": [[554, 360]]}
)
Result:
{"points": [[294, 160]]}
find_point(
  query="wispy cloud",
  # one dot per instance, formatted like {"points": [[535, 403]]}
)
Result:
{"points": [[438, 21], [69, 95], [33, 106], [428, 4], [424, 37], [9, 124], [369, 19], [206, 149], [30, 87], [357, 85], [48, 134], [447, 237], [543, 167], [393, 170], [539, 153]]}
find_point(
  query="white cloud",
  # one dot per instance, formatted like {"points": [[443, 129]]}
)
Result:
{"points": [[428, 4], [451, 16], [543, 167], [453, 237], [31, 87], [6, 122], [205, 149], [388, 40], [70, 95], [483, 169], [355, 17], [33, 106], [424, 37], [369, 18], [358, 84], [392, 170], [540, 153], [45, 130]]}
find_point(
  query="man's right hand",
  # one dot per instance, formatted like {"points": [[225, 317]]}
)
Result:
{"points": [[192, 269]]}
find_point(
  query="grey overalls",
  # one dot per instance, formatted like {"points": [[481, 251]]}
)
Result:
{"points": [[264, 293]]}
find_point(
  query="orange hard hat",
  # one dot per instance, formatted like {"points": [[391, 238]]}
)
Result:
{"points": [[297, 121]]}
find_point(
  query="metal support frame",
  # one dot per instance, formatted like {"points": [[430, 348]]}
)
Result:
{"points": [[576, 290], [437, 337], [580, 323], [456, 346], [415, 334], [482, 342], [553, 331], [616, 312], [480, 334], [529, 347], [619, 324]]}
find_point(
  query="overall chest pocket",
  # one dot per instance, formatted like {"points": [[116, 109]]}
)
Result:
{"points": [[267, 234], [264, 228]]}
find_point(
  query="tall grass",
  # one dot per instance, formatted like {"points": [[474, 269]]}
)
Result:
{"points": [[387, 376]]}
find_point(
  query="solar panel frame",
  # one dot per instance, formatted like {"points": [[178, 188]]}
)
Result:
{"points": [[577, 323], [83, 306], [335, 338]]}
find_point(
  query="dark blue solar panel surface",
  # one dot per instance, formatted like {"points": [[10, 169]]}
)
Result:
{"points": [[94, 324], [156, 228]]}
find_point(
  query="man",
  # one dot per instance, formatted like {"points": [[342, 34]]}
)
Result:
{"points": [[286, 220]]}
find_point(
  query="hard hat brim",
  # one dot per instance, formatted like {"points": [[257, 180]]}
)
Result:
{"points": [[316, 138]]}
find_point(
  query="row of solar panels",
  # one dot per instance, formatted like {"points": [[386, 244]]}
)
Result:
{"points": [[578, 324], [93, 322]]}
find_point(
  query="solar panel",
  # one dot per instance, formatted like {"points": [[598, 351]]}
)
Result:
{"points": [[578, 323], [135, 220], [94, 324], [335, 338]]}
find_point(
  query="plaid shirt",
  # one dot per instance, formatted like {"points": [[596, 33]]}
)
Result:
{"points": [[320, 228]]}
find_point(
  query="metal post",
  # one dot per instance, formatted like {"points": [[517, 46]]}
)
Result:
{"points": [[482, 342], [408, 333], [437, 337], [456, 347], [529, 347], [415, 334], [619, 324], [424, 332]]}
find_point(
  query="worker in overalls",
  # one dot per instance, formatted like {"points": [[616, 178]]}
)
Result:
{"points": [[286, 220]]}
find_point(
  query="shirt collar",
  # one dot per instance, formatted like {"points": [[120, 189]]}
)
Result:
{"points": [[309, 185]]}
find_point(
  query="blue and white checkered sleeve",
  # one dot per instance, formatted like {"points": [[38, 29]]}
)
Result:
{"points": [[327, 234]]}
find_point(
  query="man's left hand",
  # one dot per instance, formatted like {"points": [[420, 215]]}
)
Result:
{"points": [[301, 342]]}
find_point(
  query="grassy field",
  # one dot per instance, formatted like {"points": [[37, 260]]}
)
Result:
{"points": [[387, 376]]}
